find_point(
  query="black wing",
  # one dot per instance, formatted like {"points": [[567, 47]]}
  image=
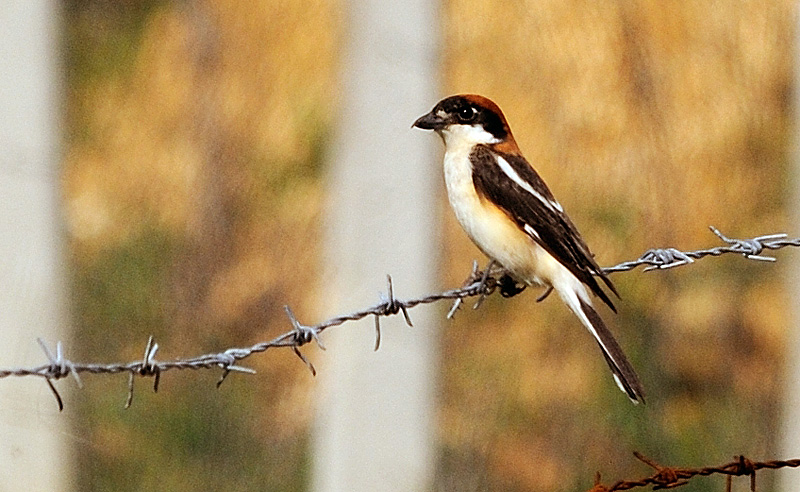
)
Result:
{"points": [[538, 213]]}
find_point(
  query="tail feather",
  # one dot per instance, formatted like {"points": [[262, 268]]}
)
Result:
{"points": [[623, 372]]}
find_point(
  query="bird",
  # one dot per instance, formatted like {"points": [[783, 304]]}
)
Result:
{"points": [[511, 215]]}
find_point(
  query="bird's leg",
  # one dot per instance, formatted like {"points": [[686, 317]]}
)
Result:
{"points": [[482, 284], [510, 287], [545, 294]]}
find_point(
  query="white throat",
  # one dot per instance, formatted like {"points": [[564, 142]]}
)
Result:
{"points": [[456, 136]]}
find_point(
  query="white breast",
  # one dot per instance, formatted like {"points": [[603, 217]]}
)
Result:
{"points": [[490, 228]]}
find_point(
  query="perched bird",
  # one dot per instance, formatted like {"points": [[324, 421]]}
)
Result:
{"points": [[511, 215]]}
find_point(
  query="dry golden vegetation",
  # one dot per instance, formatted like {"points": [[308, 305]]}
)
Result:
{"points": [[192, 173], [651, 121], [197, 136]]}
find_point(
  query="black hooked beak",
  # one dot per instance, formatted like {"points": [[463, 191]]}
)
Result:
{"points": [[430, 121]]}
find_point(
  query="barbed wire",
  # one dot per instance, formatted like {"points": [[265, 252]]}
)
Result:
{"points": [[672, 477], [478, 283], [671, 257]]}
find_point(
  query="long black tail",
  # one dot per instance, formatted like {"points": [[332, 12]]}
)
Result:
{"points": [[625, 376]]}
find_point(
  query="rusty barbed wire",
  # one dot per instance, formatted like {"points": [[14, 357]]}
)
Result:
{"points": [[667, 477], [478, 283]]}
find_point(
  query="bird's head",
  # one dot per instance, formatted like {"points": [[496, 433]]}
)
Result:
{"points": [[467, 119]]}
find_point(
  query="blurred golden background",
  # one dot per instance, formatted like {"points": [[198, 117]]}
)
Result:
{"points": [[196, 146]]}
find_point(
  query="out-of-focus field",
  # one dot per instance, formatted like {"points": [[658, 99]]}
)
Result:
{"points": [[192, 181]]}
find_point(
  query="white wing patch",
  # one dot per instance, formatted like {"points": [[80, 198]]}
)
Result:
{"points": [[511, 173], [531, 231]]}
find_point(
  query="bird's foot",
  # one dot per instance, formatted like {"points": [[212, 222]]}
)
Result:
{"points": [[510, 287]]}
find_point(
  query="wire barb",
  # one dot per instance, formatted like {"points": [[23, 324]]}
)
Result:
{"points": [[484, 287], [665, 258], [598, 486], [59, 368], [471, 278], [227, 361], [478, 283], [147, 367], [750, 248], [390, 305], [665, 477], [305, 360], [744, 466], [302, 335]]}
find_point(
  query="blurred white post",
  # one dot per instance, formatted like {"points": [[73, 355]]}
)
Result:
{"points": [[32, 432], [790, 427], [375, 420]]}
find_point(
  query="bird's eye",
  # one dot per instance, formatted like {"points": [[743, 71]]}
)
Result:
{"points": [[466, 114]]}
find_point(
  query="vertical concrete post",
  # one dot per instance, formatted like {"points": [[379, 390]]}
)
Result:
{"points": [[375, 423], [35, 454]]}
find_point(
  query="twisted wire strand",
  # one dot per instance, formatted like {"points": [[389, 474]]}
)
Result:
{"points": [[672, 477], [476, 284]]}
